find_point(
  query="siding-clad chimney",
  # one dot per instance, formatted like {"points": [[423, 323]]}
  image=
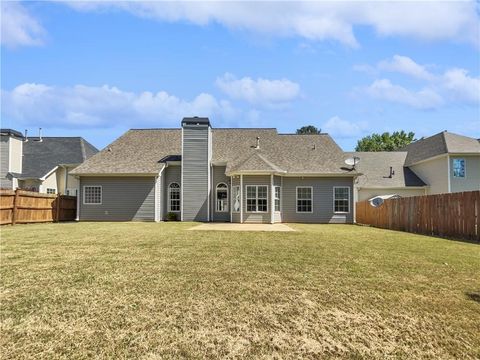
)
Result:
{"points": [[196, 156]]}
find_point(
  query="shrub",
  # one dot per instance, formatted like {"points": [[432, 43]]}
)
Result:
{"points": [[171, 216]]}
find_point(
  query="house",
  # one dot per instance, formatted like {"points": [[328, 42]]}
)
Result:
{"points": [[442, 163], [42, 164], [200, 173]]}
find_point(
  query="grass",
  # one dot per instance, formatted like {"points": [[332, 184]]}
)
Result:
{"points": [[156, 291]]}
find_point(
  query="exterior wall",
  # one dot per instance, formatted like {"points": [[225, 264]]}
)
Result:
{"points": [[195, 172], [322, 200], [4, 162], [218, 176], [365, 194], [30, 184], [471, 181], [172, 173], [434, 173], [252, 217], [50, 182], [16, 155], [123, 199]]}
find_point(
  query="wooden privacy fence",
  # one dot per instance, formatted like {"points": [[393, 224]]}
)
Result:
{"points": [[22, 207], [448, 215]]}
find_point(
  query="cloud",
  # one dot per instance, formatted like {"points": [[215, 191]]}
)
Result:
{"points": [[340, 128], [424, 99], [405, 65], [103, 106], [259, 91], [19, 28], [453, 86], [428, 20]]}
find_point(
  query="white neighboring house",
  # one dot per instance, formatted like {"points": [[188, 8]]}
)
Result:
{"points": [[41, 164], [442, 163]]}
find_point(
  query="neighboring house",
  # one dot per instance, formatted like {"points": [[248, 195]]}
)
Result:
{"points": [[442, 163], [42, 164], [384, 173], [205, 174]]}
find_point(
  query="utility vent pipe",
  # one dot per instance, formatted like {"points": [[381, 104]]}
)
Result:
{"points": [[258, 143], [25, 138]]}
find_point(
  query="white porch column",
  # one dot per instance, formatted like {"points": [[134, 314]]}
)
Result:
{"points": [[230, 201], [241, 198], [272, 200]]}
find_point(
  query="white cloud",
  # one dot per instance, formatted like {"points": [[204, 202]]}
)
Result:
{"points": [[19, 28], [428, 20], [89, 106], [259, 91], [385, 90], [340, 128], [453, 86], [407, 66], [461, 86]]}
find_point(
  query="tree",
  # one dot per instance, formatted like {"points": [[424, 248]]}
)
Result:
{"points": [[385, 141], [308, 130]]}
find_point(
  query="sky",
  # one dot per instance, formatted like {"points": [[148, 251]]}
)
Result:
{"points": [[97, 69]]}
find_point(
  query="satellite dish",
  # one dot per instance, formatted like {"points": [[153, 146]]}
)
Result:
{"points": [[352, 161], [376, 201]]}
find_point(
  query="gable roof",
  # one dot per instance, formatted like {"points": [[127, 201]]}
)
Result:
{"points": [[141, 152], [441, 143], [40, 157], [375, 169]]}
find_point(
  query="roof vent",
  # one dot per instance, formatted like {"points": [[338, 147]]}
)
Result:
{"points": [[258, 143], [40, 139], [25, 138], [314, 147]]}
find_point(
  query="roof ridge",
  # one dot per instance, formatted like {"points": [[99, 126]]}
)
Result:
{"points": [[445, 141], [82, 148]]}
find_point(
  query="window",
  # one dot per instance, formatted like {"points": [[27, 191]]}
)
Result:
{"points": [[341, 199], [257, 198], [92, 195], [72, 192], [174, 197], [304, 199], [236, 198], [222, 197], [459, 168], [277, 198], [51, 191]]}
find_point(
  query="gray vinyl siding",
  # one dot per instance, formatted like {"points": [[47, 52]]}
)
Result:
{"points": [[322, 200], [252, 217], [123, 199], [170, 175], [195, 172], [218, 176], [4, 159]]}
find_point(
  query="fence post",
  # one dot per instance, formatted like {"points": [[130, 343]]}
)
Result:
{"points": [[14, 210], [57, 213]]}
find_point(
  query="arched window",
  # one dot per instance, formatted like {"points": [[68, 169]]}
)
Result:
{"points": [[174, 197], [222, 197]]}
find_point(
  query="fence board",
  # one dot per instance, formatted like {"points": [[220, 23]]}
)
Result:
{"points": [[25, 207], [454, 215]]}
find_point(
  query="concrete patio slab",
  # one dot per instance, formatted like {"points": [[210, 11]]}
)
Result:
{"points": [[242, 227]]}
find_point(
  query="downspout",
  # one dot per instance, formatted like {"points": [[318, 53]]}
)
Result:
{"points": [[448, 167], [272, 200], [79, 193], [241, 198], [231, 199]]}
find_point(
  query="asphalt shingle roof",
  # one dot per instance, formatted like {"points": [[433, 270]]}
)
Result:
{"points": [[141, 152], [40, 157], [375, 169], [442, 143]]}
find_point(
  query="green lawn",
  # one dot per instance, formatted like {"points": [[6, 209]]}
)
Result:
{"points": [[155, 291]]}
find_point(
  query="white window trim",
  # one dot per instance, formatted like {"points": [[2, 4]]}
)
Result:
{"points": [[296, 199], [216, 198], [349, 207], [101, 195], [169, 204], [233, 200], [256, 198], [464, 168], [279, 199]]}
